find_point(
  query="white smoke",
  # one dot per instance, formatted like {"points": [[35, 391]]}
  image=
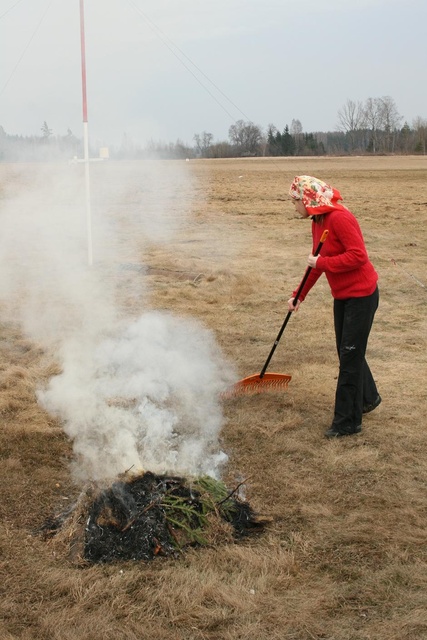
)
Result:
{"points": [[146, 397], [136, 391]]}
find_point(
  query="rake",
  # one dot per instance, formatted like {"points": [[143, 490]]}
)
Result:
{"points": [[261, 382]]}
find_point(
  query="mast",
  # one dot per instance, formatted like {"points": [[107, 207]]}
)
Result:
{"points": [[86, 137]]}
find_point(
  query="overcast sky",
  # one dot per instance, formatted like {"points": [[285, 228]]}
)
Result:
{"points": [[168, 69]]}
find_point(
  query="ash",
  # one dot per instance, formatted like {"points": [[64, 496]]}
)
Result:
{"points": [[150, 516]]}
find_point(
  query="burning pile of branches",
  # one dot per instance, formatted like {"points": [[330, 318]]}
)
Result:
{"points": [[151, 515]]}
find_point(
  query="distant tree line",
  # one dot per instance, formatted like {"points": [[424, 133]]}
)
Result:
{"points": [[47, 146], [372, 127]]}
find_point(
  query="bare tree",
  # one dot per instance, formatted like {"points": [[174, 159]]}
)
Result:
{"points": [[296, 127], [297, 134], [390, 121], [374, 117], [351, 119], [246, 137], [203, 143]]}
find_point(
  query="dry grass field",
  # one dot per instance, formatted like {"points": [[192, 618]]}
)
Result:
{"points": [[345, 557]]}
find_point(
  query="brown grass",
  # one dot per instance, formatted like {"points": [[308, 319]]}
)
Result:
{"points": [[346, 555]]}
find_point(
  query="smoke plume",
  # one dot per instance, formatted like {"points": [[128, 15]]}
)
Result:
{"points": [[138, 389]]}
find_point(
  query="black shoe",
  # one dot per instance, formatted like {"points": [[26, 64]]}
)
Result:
{"points": [[335, 433], [370, 407]]}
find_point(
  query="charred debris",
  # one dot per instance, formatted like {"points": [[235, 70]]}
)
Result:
{"points": [[148, 516]]}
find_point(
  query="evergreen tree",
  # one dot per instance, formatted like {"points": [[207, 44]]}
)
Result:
{"points": [[288, 143], [46, 131]]}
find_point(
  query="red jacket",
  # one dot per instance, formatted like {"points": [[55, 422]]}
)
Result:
{"points": [[343, 258]]}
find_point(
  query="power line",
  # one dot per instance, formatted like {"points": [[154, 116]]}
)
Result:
{"points": [[10, 9], [173, 48], [27, 45]]}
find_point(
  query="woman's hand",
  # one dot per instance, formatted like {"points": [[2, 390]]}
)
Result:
{"points": [[312, 261], [291, 306]]}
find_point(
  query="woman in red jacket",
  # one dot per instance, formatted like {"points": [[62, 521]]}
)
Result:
{"points": [[353, 282]]}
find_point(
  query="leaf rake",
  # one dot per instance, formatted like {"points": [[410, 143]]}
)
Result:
{"points": [[263, 382]]}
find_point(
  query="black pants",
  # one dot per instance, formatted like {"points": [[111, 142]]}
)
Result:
{"points": [[355, 387]]}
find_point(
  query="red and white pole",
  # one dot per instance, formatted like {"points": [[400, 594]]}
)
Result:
{"points": [[86, 135]]}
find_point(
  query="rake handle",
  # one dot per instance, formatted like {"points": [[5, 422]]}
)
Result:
{"points": [[298, 293]]}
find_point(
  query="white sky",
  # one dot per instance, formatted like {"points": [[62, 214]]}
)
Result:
{"points": [[275, 60]]}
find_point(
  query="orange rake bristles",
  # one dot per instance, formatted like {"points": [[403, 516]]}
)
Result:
{"points": [[255, 384], [258, 383]]}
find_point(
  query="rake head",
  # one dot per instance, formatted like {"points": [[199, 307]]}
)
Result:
{"points": [[254, 384]]}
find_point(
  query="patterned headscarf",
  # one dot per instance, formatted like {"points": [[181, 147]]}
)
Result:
{"points": [[317, 196]]}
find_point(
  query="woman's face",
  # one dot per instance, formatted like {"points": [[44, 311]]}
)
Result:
{"points": [[300, 208]]}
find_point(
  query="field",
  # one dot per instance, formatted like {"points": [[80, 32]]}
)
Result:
{"points": [[345, 557]]}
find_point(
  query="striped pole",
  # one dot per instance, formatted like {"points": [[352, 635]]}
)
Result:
{"points": [[86, 137]]}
